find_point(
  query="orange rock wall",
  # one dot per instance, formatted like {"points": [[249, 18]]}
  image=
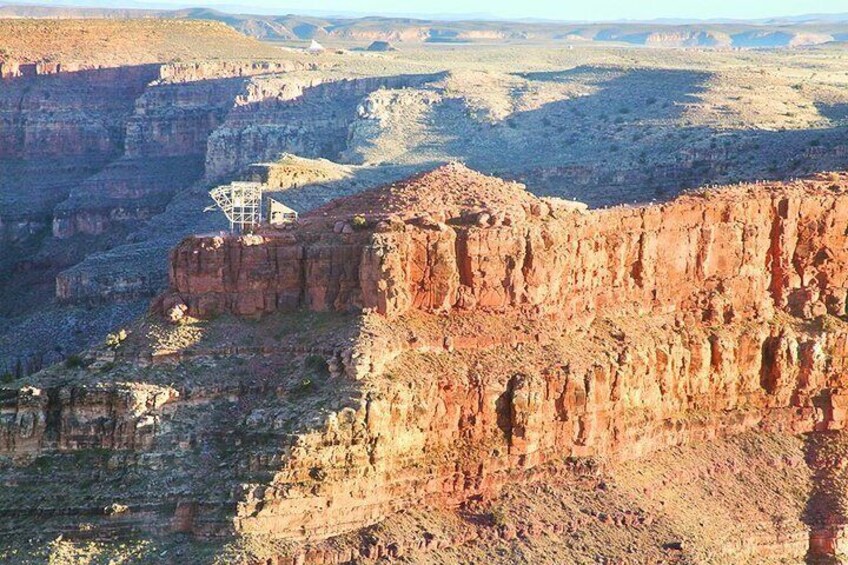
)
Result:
{"points": [[732, 255], [710, 292], [471, 423]]}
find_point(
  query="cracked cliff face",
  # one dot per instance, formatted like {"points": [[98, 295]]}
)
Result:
{"points": [[719, 257], [503, 335], [685, 320]]}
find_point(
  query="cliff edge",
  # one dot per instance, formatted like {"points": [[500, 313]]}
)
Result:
{"points": [[453, 239], [449, 369]]}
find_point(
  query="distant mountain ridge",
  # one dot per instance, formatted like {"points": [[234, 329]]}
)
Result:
{"points": [[793, 31]]}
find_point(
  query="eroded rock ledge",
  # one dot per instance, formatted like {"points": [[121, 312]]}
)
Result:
{"points": [[504, 334], [452, 239]]}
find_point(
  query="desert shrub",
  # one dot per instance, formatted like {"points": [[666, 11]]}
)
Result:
{"points": [[73, 362], [316, 365], [499, 517], [114, 340], [359, 222], [305, 386], [115, 508]]}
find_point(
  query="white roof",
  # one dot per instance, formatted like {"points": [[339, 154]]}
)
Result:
{"points": [[277, 206]]}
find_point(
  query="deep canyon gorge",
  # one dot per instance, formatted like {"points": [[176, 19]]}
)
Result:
{"points": [[541, 305]]}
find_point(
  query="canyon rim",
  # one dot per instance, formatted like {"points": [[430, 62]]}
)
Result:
{"points": [[544, 293]]}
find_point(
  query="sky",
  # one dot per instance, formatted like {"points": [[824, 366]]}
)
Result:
{"points": [[569, 10]]}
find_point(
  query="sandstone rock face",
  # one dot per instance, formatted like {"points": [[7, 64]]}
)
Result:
{"points": [[719, 257], [97, 281], [69, 113], [465, 430], [57, 129], [165, 141], [677, 322], [309, 116], [72, 418], [177, 113], [504, 333]]}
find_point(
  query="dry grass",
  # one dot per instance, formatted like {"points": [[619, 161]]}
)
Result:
{"points": [[111, 43]]}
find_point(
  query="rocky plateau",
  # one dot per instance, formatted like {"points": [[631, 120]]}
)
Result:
{"points": [[615, 343], [363, 385]]}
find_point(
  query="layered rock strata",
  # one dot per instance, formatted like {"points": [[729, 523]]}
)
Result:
{"points": [[55, 130], [503, 333], [721, 256], [705, 296], [165, 143], [308, 115]]}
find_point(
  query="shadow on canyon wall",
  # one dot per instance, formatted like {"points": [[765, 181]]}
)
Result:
{"points": [[620, 145], [312, 120], [118, 213], [128, 156], [826, 511], [241, 420]]}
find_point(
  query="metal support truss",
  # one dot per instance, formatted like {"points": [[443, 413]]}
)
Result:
{"points": [[241, 203]]}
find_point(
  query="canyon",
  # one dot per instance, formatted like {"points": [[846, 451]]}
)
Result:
{"points": [[108, 154], [623, 340], [386, 391]]}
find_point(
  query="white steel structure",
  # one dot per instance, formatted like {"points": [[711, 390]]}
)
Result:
{"points": [[241, 202]]}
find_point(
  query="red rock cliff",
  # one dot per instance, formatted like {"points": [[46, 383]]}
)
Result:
{"points": [[452, 239], [410, 409], [470, 400]]}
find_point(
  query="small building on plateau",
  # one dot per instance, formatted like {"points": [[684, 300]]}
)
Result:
{"points": [[279, 214]]}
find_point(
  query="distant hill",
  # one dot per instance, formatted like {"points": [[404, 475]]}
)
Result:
{"points": [[794, 31], [113, 42]]}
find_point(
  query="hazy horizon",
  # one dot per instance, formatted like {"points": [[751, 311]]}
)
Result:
{"points": [[545, 10]]}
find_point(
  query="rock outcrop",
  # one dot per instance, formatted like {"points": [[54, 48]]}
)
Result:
{"points": [[308, 115], [503, 334], [668, 324], [720, 256]]}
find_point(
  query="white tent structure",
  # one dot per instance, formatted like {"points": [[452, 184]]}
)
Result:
{"points": [[315, 48]]}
